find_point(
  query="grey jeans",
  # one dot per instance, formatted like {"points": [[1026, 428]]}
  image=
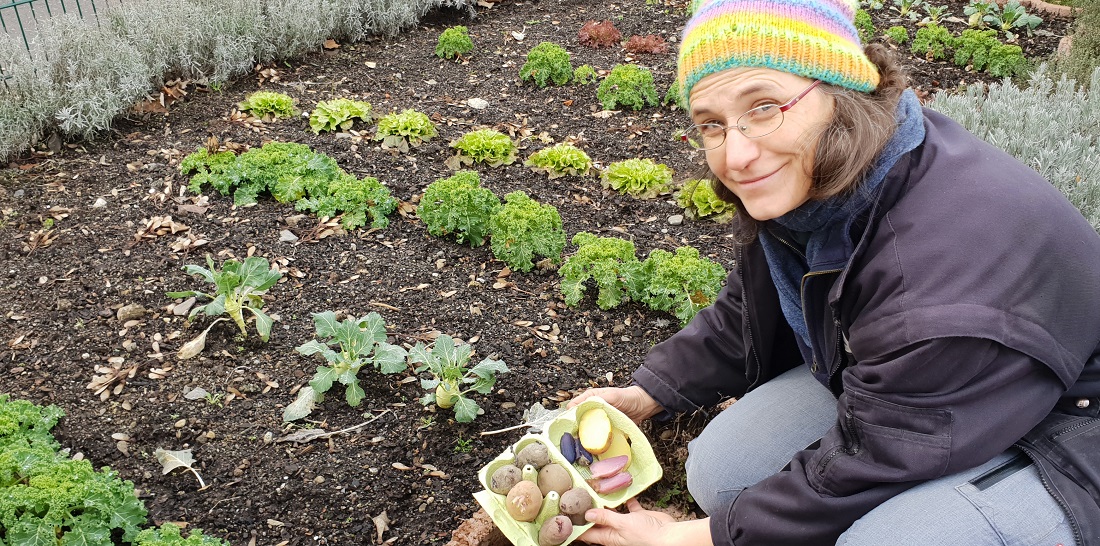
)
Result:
{"points": [[1000, 502]]}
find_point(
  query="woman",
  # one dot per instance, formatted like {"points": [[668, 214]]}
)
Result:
{"points": [[912, 329]]}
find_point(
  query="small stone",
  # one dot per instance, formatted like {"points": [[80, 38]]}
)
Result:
{"points": [[130, 312], [99, 203], [676, 219], [18, 194], [319, 479], [64, 305], [287, 236], [478, 104]]}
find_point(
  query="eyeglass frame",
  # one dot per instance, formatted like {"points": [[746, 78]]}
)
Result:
{"points": [[740, 127]]}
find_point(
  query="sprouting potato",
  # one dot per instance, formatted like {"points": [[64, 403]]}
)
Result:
{"points": [[524, 501], [554, 477], [534, 454], [504, 478], [555, 531], [574, 503]]}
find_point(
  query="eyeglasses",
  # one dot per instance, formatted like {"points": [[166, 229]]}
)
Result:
{"points": [[760, 121]]}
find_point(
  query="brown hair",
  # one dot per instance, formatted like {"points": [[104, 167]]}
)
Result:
{"points": [[861, 125]]}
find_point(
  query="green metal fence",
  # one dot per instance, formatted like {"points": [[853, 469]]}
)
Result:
{"points": [[20, 18]]}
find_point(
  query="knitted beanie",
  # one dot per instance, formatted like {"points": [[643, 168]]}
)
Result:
{"points": [[815, 39]]}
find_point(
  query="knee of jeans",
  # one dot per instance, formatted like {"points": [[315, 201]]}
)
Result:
{"points": [[711, 480]]}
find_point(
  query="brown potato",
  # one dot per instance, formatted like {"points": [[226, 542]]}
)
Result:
{"points": [[534, 454], [555, 531], [574, 503], [524, 501], [504, 478], [554, 477]]}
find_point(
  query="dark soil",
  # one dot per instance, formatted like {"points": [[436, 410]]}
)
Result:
{"points": [[68, 267]]}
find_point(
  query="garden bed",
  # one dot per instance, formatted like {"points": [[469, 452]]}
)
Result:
{"points": [[84, 236]]}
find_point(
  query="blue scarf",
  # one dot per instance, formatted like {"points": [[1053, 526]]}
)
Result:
{"points": [[817, 222]]}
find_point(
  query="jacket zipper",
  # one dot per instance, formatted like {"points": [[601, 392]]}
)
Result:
{"points": [[745, 312], [849, 418], [1084, 423], [1077, 539], [802, 297]]}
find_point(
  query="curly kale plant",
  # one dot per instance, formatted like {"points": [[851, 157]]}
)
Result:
{"points": [[560, 160], [642, 178], [523, 229], [610, 262], [359, 343], [169, 535], [865, 26], [1007, 60], [238, 286], [488, 146], [673, 96], [292, 173], [269, 104], [409, 128], [454, 42], [698, 200], [932, 42], [338, 114], [460, 206], [682, 283], [584, 75], [451, 381], [628, 86], [898, 34], [547, 62]]}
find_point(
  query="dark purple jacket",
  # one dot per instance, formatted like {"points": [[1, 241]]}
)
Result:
{"points": [[961, 315]]}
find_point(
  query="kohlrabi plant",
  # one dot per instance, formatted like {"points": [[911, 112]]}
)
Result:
{"points": [[1012, 16], [698, 200], [907, 8], [452, 381], [338, 114], [642, 178], [488, 146], [269, 105], [409, 128], [584, 75], [627, 86], [459, 206], [682, 283], [547, 62], [560, 160], [977, 10], [238, 287], [454, 42], [523, 229], [610, 262], [347, 347], [934, 14]]}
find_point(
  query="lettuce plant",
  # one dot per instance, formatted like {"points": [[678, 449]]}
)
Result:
{"points": [[238, 286], [452, 381], [459, 206], [608, 261], [560, 160], [359, 343], [698, 200], [269, 104], [642, 178], [338, 114], [547, 62], [524, 229], [599, 34], [649, 43], [584, 75], [409, 128], [454, 42], [169, 534], [628, 86], [682, 283], [488, 146]]}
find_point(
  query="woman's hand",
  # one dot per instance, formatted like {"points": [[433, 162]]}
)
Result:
{"points": [[637, 404], [640, 527]]}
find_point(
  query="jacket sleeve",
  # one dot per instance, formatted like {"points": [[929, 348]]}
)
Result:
{"points": [[703, 363], [929, 410]]}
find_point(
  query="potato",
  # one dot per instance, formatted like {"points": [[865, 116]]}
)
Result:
{"points": [[555, 531], [524, 501], [504, 478], [620, 445], [594, 431], [554, 477], [574, 503], [568, 447], [534, 454]]}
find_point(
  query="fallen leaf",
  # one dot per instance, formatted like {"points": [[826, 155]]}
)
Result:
{"points": [[381, 524], [331, 44], [193, 347], [171, 460]]}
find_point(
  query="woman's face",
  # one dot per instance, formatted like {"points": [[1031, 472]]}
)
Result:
{"points": [[770, 174]]}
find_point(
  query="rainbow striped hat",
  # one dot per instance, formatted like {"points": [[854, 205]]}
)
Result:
{"points": [[815, 39]]}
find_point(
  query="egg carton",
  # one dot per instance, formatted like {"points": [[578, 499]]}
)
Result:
{"points": [[644, 469]]}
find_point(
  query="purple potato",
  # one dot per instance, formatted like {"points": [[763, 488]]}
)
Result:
{"points": [[568, 447]]}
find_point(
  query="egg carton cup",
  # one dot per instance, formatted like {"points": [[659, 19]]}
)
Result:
{"points": [[644, 470]]}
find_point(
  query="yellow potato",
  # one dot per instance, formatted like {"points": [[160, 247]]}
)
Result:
{"points": [[620, 445], [594, 431]]}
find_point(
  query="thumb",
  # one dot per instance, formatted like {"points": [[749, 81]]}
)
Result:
{"points": [[632, 505]]}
